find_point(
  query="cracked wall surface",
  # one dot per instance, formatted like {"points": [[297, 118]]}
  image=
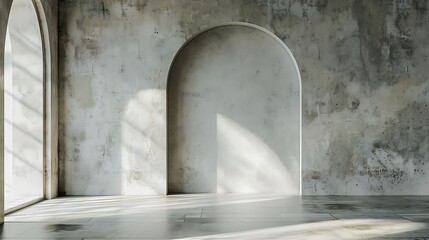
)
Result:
{"points": [[364, 69]]}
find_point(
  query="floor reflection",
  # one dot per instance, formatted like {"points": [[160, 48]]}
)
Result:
{"points": [[230, 216], [13, 201]]}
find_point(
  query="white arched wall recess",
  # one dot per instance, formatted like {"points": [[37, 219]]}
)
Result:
{"points": [[234, 114]]}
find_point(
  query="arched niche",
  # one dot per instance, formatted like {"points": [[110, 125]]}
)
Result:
{"points": [[234, 114]]}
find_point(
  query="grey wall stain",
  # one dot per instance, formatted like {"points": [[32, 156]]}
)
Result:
{"points": [[83, 91]]}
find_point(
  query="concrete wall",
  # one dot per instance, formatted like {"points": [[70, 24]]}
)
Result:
{"points": [[365, 89], [233, 103]]}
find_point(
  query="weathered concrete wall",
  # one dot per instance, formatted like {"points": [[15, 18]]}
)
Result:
{"points": [[365, 89], [233, 114]]}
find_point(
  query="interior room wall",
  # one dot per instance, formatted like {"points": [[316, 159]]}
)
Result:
{"points": [[364, 80]]}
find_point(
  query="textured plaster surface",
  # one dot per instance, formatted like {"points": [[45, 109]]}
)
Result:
{"points": [[364, 76]]}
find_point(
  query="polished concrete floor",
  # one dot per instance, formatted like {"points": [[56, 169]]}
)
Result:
{"points": [[208, 216]]}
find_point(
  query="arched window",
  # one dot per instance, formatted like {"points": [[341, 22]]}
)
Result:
{"points": [[24, 107]]}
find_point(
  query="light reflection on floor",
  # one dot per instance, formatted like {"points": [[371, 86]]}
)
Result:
{"points": [[13, 201], [232, 216]]}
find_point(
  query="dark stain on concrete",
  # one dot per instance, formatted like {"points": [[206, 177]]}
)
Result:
{"points": [[340, 206], [408, 135], [421, 6], [254, 12], [104, 10], [340, 154], [320, 5], [406, 139], [315, 175], [339, 97], [372, 32], [138, 5], [183, 176], [371, 20], [96, 8], [63, 227], [386, 46], [309, 116], [92, 45], [355, 104]]}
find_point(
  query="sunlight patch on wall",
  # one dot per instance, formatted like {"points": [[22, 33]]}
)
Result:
{"points": [[143, 145], [245, 164]]}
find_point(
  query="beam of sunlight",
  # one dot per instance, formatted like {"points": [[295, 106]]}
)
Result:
{"points": [[326, 230], [74, 208], [143, 147], [246, 164]]}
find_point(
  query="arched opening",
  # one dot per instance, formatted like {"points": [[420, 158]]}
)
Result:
{"points": [[234, 114], [24, 107]]}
